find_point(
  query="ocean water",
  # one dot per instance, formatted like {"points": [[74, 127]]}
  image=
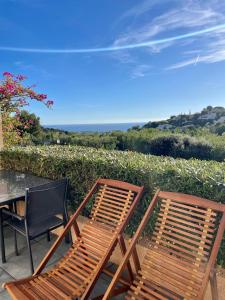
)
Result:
{"points": [[95, 127]]}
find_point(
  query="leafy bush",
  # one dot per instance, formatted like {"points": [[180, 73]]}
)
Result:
{"points": [[180, 146], [84, 165], [198, 143]]}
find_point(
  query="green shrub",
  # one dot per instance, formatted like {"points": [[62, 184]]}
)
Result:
{"points": [[198, 143], [84, 165], [180, 146]]}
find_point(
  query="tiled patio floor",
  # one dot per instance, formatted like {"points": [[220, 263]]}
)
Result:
{"points": [[17, 267]]}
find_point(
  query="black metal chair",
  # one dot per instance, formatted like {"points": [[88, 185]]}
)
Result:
{"points": [[43, 207]]}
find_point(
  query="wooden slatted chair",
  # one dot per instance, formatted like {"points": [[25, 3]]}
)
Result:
{"points": [[75, 275], [181, 252]]}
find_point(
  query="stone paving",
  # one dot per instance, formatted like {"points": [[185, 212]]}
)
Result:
{"points": [[17, 267]]}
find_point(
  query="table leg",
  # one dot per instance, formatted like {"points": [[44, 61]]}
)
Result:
{"points": [[2, 238]]}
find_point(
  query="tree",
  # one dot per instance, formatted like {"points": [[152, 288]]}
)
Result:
{"points": [[28, 123], [13, 97]]}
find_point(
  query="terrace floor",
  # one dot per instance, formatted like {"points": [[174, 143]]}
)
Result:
{"points": [[17, 267]]}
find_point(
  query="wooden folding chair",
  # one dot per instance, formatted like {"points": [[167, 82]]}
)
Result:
{"points": [[75, 275], [181, 252]]}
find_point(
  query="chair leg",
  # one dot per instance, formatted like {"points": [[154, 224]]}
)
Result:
{"points": [[48, 236], [15, 243], [30, 254], [2, 238], [68, 236], [213, 283]]}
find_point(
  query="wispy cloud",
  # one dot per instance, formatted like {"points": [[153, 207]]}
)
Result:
{"points": [[212, 51], [139, 9], [198, 24], [188, 16], [117, 47], [140, 71]]}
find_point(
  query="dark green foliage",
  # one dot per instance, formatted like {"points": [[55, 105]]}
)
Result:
{"points": [[219, 129], [180, 146], [84, 165], [193, 143]]}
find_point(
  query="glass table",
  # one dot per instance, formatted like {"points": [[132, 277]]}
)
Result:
{"points": [[13, 185]]}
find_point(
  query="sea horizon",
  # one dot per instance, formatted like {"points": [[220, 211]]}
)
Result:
{"points": [[95, 127]]}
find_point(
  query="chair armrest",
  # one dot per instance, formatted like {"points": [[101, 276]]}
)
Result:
{"points": [[12, 214]]}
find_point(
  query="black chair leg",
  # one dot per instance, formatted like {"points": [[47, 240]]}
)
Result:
{"points": [[30, 254], [2, 238], [15, 243], [48, 236], [68, 236]]}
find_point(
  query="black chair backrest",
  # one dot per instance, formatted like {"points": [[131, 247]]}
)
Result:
{"points": [[45, 201]]}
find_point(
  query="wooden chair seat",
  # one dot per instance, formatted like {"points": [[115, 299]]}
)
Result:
{"points": [[74, 276], [70, 277], [164, 276]]}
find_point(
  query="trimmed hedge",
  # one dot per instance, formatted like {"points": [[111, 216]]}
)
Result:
{"points": [[84, 165]]}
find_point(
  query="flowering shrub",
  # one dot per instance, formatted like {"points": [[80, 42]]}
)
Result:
{"points": [[13, 96]]}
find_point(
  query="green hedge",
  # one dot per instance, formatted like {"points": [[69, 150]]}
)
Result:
{"points": [[84, 165]]}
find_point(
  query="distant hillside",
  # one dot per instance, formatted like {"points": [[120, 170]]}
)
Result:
{"points": [[213, 117]]}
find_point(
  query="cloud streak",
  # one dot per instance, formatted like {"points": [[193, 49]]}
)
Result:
{"points": [[189, 16], [118, 47]]}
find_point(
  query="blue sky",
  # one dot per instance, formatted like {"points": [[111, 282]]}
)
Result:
{"points": [[116, 61]]}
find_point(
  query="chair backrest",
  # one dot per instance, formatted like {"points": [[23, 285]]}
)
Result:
{"points": [[186, 227], [45, 201], [113, 201], [188, 231]]}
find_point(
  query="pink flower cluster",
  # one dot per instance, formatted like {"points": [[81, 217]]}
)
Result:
{"points": [[16, 95]]}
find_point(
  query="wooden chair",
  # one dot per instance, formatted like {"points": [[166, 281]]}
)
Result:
{"points": [[75, 275], [182, 250]]}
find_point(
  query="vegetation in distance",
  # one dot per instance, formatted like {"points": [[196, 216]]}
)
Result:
{"points": [[199, 135]]}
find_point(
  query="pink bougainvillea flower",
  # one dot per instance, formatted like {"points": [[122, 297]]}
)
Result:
{"points": [[21, 77], [14, 95], [2, 89], [9, 89], [41, 97], [7, 74], [50, 103]]}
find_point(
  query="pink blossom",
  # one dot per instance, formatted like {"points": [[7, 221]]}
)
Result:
{"points": [[41, 97], [2, 90], [50, 103], [7, 74], [9, 88], [20, 77], [14, 95]]}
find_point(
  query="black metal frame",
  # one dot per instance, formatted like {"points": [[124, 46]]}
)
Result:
{"points": [[13, 214]]}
